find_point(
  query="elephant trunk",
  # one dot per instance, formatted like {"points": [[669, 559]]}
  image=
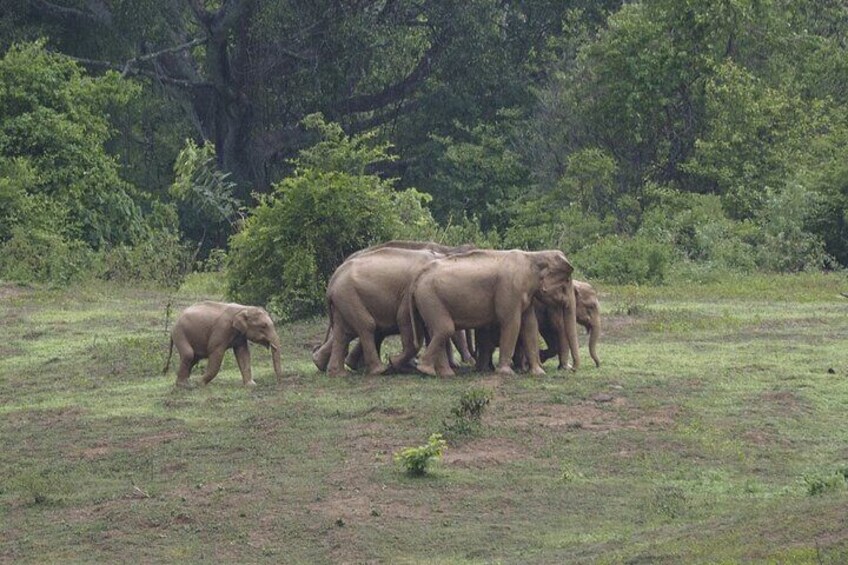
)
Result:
{"points": [[594, 333], [274, 344], [568, 333]]}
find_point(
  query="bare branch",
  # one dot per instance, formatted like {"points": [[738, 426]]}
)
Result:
{"points": [[149, 56]]}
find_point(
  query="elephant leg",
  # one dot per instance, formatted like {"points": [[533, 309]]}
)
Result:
{"points": [[401, 361], [530, 342], [321, 355], [370, 354], [213, 365], [434, 360], [354, 359], [485, 338], [510, 328], [187, 362], [341, 338], [242, 353], [460, 341], [184, 370]]}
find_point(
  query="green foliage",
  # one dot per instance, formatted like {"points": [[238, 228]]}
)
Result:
{"points": [[465, 418], [788, 246], [204, 194], [478, 173], [626, 260], [547, 222], [416, 460], [817, 485], [293, 241], [66, 211]]}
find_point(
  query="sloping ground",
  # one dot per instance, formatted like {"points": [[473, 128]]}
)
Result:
{"points": [[713, 432]]}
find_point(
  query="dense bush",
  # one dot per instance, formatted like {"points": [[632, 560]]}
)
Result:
{"points": [[330, 207], [65, 211], [626, 260]]}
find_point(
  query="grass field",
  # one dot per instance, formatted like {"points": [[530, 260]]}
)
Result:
{"points": [[714, 431]]}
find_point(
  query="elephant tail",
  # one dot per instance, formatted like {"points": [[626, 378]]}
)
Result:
{"points": [[168, 361]]}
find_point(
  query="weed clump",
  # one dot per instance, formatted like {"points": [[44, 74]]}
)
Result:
{"points": [[416, 460], [465, 418], [818, 485]]}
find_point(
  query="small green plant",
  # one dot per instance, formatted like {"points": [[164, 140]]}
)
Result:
{"points": [[466, 417], [818, 484], [416, 460], [472, 403]]}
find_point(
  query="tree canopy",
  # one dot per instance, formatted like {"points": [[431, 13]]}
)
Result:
{"points": [[710, 133]]}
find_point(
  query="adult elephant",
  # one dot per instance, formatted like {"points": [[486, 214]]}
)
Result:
{"points": [[485, 287], [587, 314], [208, 329], [366, 298], [369, 288]]}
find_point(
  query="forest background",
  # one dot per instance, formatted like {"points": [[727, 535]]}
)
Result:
{"points": [[652, 140]]}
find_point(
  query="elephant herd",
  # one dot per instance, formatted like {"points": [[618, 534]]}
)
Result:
{"points": [[428, 294]]}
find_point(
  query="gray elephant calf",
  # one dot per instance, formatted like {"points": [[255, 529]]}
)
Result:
{"points": [[207, 329]]}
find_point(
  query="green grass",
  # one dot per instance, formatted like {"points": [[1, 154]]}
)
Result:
{"points": [[713, 432]]}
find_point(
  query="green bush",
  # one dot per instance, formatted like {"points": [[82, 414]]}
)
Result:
{"points": [[416, 460], [465, 418], [624, 260], [36, 255], [297, 236]]}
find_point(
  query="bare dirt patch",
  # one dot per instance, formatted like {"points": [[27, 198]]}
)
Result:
{"points": [[483, 453], [601, 414], [8, 290]]}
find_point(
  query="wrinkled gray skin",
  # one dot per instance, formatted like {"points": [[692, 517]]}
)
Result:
{"points": [[485, 287], [587, 312], [367, 290], [207, 329], [366, 299]]}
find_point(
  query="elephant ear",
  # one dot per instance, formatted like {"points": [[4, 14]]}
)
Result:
{"points": [[240, 321], [556, 272]]}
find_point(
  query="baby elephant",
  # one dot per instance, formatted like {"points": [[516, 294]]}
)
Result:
{"points": [[207, 329]]}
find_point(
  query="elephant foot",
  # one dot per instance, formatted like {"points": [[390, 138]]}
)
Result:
{"points": [[426, 369], [320, 361], [447, 372], [251, 383], [336, 372], [377, 369], [186, 384], [538, 371], [505, 370]]}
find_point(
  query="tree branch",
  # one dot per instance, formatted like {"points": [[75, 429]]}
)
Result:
{"points": [[189, 84], [373, 101], [149, 56]]}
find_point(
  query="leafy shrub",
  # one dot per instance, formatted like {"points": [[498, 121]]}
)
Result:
{"points": [[204, 194], [472, 402], [466, 417], [623, 260], [65, 211], [547, 223], [35, 255], [787, 243], [416, 460], [296, 237]]}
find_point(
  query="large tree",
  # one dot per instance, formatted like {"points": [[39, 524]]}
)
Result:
{"points": [[246, 72]]}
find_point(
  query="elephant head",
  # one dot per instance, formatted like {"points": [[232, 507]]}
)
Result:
{"points": [[256, 325], [556, 290]]}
